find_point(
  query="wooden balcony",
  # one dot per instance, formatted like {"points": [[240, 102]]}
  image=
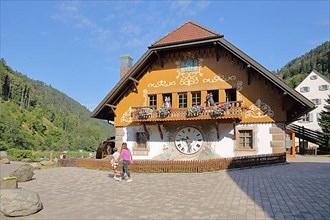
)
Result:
{"points": [[233, 111]]}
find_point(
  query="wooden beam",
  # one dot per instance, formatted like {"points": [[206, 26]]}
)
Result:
{"points": [[112, 107], [234, 127], [134, 80], [160, 131], [160, 59], [146, 131], [249, 69], [283, 100], [217, 128], [217, 51]]}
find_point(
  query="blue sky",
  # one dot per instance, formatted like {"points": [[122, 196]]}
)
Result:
{"points": [[75, 46]]}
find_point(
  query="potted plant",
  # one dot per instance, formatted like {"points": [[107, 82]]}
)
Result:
{"points": [[220, 109], [144, 112], [163, 111], [195, 110]]}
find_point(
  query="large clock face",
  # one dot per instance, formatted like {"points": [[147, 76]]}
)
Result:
{"points": [[189, 140]]}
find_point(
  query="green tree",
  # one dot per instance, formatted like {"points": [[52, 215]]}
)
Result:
{"points": [[316, 59], [37, 116], [325, 118]]}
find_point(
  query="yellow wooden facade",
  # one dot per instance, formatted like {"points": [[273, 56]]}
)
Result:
{"points": [[261, 101]]}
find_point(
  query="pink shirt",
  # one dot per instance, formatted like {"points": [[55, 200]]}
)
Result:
{"points": [[126, 154]]}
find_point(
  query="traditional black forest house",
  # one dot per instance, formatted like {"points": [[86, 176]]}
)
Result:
{"points": [[194, 95]]}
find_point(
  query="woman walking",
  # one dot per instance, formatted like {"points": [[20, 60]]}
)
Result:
{"points": [[126, 156]]}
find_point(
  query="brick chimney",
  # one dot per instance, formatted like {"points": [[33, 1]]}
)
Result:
{"points": [[280, 76], [125, 64]]}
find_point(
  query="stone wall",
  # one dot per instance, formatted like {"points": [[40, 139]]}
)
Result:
{"points": [[278, 139]]}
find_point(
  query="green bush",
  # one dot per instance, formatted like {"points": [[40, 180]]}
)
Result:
{"points": [[71, 154], [20, 154], [46, 154]]}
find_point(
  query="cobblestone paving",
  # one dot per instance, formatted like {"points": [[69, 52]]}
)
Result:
{"points": [[299, 189]]}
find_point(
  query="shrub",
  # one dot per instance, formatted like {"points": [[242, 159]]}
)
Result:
{"points": [[17, 154]]}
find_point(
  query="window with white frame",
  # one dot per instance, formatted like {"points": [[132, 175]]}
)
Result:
{"points": [[153, 101], [304, 89], [324, 87], [307, 118], [316, 101], [318, 117], [196, 98], [183, 103]]}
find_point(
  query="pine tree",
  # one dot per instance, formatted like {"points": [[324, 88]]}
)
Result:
{"points": [[325, 118]]}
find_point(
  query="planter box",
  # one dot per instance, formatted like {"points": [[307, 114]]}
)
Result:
{"points": [[8, 184]]}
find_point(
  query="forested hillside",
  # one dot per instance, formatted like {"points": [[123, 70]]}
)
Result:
{"points": [[36, 116], [297, 69]]}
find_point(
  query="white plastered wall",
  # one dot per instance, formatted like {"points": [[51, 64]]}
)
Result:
{"points": [[224, 147]]}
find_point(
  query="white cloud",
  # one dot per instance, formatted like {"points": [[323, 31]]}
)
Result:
{"points": [[203, 5], [130, 28], [70, 12], [181, 5]]}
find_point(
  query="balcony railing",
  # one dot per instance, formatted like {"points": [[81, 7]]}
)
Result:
{"points": [[230, 110]]}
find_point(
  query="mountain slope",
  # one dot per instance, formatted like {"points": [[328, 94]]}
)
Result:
{"points": [[36, 116], [297, 69]]}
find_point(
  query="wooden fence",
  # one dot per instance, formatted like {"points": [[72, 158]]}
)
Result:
{"points": [[175, 166]]}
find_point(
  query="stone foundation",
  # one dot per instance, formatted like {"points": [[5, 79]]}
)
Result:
{"points": [[278, 139]]}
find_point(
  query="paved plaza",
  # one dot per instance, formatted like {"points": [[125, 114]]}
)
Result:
{"points": [[299, 189]]}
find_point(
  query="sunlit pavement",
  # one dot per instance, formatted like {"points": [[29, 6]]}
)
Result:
{"points": [[299, 189]]}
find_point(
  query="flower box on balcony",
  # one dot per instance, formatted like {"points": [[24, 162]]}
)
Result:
{"points": [[144, 113], [195, 110], [220, 109], [163, 112]]}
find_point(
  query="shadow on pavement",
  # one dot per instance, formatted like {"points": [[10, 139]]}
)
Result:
{"points": [[295, 190]]}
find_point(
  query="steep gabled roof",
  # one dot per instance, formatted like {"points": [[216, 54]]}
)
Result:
{"points": [[102, 111], [317, 73], [189, 31]]}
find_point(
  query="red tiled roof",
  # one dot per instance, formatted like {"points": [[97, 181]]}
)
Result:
{"points": [[189, 31]]}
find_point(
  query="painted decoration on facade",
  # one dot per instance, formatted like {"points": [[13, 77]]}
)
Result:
{"points": [[218, 78], [161, 83], [259, 110], [127, 116], [188, 69], [239, 85], [170, 153], [145, 97]]}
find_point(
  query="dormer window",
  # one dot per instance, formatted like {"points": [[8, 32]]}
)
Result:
{"points": [[314, 77], [189, 65]]}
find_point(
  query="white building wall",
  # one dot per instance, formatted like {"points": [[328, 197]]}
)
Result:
{"points": [[313, 81], [224, 147]]}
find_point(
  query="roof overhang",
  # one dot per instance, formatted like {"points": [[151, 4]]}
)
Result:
{"points": [[102, 111]]}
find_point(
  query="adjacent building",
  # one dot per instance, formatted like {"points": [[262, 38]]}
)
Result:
{"points": [[194, 95], [316, 88]]}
